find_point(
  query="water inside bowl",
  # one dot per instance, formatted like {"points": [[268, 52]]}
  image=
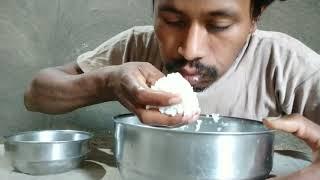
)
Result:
{"points": [[206, 124], [223, 124]]}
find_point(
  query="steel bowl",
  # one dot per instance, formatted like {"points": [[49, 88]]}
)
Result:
{"points": [[228, 148], [47, 152]]}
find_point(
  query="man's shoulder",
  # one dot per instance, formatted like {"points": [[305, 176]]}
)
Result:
{"points": [[274, 35], [281, 39], [285, 57], [139, 31], [134, 33], [286, 45], [136, 43], [142, 29]]}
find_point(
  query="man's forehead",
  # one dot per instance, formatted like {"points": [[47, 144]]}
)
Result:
{"points": [[208, 7]]}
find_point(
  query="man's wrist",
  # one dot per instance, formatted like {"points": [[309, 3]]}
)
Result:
{"points": [[97, 85]]}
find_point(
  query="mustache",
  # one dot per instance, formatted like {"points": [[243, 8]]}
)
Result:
{"points": [[175, 65]]}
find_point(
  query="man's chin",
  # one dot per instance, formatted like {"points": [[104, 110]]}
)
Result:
{"points": [[199, 88]]}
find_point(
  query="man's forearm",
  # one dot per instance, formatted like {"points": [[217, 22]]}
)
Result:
{"points": [[54, 91]]}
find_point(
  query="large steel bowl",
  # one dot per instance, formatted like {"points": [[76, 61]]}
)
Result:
{"points": [[231, 148], [47, 152]]}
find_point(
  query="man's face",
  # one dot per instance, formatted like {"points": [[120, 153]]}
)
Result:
{"points": [[201, 38]]}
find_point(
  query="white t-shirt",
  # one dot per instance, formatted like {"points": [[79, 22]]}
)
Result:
{"points": [[274, 74]]}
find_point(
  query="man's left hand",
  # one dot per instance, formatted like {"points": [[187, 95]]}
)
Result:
{"points": [[306, 130]]}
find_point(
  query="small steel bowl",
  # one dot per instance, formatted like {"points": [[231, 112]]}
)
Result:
{"points": [[47, 152], [223, 148]]}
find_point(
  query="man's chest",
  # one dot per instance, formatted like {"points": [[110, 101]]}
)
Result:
{"points": [[240, 96]]}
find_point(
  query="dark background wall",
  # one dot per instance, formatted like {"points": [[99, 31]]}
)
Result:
{"points": [[35, 34]]}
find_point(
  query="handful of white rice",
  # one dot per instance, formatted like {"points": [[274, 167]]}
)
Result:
{"points": [[175, 83]]}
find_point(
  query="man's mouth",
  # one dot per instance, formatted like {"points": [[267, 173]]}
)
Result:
{"points": [[193, 79], [200, 76], [191, 75]]}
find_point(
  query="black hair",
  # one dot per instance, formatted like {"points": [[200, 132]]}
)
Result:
{"points": [[257, 7]]}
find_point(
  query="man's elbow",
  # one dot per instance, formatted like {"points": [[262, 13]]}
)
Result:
{"points": [[30, 101], [41, 96], [33, 103], [33, 95], [27, 103], [49, 91]]}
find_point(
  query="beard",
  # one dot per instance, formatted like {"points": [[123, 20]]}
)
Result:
{"points": [[208, 74]]}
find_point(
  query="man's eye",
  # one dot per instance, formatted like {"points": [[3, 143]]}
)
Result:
{"points": [[215, 28], [178, 23]]}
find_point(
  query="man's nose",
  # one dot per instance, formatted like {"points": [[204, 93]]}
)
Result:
{"points": [[193, 44]]}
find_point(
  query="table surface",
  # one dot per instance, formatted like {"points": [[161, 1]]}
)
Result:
{"points": [[101, 165]]}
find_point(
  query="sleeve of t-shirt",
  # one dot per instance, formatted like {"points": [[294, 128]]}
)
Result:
{"points": [[135, 44], [297, 77], [307, 98]]}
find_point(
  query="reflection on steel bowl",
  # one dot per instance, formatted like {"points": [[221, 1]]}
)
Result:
{"points": [[47, 152], [224, 148]]}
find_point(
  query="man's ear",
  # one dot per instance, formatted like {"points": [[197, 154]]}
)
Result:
{"points": [[255, 20], [253, 27], [263, 9]]}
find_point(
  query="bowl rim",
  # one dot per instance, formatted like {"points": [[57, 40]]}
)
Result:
{"points": [[8, 139], [117, 120]]}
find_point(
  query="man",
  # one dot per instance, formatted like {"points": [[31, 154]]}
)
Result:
{"points": [[237, 70]]}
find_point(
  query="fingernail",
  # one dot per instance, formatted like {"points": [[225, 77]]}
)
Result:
{"points": [[141, 88], [175, 100]]}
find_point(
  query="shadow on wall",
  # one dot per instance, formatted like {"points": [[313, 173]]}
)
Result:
{"points": [[35, 34]]}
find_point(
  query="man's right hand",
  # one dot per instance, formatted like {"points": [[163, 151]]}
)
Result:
{"points": [[62, 89], [130, 84]]}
